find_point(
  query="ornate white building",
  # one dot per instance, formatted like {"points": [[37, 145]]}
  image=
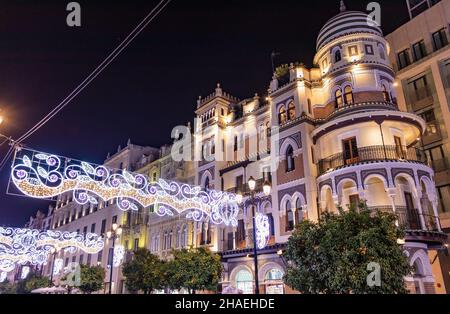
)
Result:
{"points": [[340, 139]]}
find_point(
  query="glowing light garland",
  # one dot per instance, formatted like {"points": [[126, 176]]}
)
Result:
{"points": [[26, 246], [3, 275], [25, 272], [40, 175], [119, 253], [262, 230]]}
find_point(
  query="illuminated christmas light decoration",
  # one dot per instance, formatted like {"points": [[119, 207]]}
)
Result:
{"points": [[3, 275], [59, 264], [33, 247], [25, 272], [119, 253], [41, 175], [262, 230]]}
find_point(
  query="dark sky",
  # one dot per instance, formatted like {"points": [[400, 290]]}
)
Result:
{"points": [[155, 82]]}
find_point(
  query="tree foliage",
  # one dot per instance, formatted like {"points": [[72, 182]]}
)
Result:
{"points": [[144, 273], [332, 256], [36, 282], [194, 270], [91, 278]]}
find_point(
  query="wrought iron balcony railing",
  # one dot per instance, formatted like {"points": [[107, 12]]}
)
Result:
{"points": [[408, 218], [371, 153]]}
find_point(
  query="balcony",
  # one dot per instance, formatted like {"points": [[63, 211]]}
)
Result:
{"points": [[372, 153], [410, 220]]}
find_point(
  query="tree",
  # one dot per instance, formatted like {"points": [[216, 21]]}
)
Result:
{"points": [[144, 273], [36, 282], [8, 288], [194, 270], [333, 255], [91, 278]]}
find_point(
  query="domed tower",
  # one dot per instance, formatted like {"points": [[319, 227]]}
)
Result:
{"points": [[364, 145]]}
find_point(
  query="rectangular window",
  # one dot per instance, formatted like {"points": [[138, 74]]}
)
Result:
{"points": [[350, 150], [81, 260], [240, 184], [88, 262], [222, 112], [419, 50], [240, 231], [403, 59], [114, 219], [66, 263], [444, 198], [432, 124], [419, 89], [103, 230], [440, 39], [235, 143], [73, 259], [99, 256], [353, 51], [136, 244], [93, 228], [438, 160], [85, 229], [369, 50]]}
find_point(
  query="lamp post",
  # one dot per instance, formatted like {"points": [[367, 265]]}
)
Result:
{"points": [[254, 201], [113, 234]]}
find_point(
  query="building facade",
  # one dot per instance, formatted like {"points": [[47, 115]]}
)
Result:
{"points": [[341, 138], [326, 137], [420, 53]]}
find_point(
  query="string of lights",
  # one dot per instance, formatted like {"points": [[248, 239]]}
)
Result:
{"points": [[33, 247], [41, 175]]}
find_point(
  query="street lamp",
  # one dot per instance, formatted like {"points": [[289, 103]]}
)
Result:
{"points": [[113, 234], [253, 201]]}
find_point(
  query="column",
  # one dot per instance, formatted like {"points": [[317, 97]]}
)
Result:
{"points": [[419, 208]]}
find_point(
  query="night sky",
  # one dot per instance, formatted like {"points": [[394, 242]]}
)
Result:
{"points": [[154, 84]]}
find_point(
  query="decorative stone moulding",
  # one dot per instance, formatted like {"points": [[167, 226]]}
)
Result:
{"points": [[42, 175]]}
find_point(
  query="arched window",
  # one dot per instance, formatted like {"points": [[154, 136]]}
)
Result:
{"points": [[337, 56], [206, 186], [244, 281], [291, 111], [274, 274], [282, 117], [338, 98], [386, 95], [348, 95], [299, 208], [289, 217], [290, 163]]}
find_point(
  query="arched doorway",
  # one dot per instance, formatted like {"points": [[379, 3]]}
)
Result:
{"points": [[273, 281], [327, 201], [406, 202]]}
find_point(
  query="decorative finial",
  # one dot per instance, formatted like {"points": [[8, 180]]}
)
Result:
{"points": [[343, 7]]}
